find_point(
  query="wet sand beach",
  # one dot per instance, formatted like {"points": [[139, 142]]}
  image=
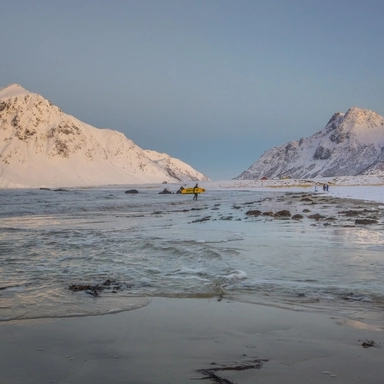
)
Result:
{"points": [[183, 340]]}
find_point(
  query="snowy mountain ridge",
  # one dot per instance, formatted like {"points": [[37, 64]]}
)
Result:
{"points": [[351, 144], [42, 146]]}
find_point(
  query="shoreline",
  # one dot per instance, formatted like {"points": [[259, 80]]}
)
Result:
{"points": [[172, 340]]}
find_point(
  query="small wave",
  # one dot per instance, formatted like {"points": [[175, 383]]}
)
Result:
{"points": [[238, 275]]}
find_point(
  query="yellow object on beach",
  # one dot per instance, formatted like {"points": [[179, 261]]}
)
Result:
{"points": [[193, 190]]}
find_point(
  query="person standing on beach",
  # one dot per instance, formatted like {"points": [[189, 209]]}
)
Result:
{"points": [[195, 192]]}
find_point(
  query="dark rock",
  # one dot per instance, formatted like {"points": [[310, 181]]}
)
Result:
{"points": [[366, 221], [96, 289], [165, 191], [297, 217], [316, 216], [226, 218], [306, 199], [283, 213], [206, 218], [306, 210], [349, 213], [268, 213], [253, 212], [132, 191]]}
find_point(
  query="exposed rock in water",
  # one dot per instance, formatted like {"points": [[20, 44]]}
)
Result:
{"points": [[96, 289], [165, 191], [366, 221], [316, 216], [132, 191], [350, 213], [253, 212], [206, 218], [283, 213]]}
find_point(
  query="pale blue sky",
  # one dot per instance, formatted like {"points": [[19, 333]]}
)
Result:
{"points": [[214, 83]]}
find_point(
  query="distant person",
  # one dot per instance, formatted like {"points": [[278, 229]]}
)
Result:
{"points": [[324, 188], [327, 187], [316, 188], [195, 191]]}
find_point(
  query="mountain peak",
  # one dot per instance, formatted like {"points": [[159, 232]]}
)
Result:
{"points": [[12, 90], [350, 144], [42, 146]]}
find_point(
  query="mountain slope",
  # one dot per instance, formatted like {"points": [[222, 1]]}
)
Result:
{"points": [[42, 146], [350, 144]]}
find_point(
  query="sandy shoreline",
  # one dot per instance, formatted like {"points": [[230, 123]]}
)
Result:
{"points": [[169, 340]]}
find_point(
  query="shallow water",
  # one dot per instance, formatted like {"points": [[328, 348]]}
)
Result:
{"points": [[171, 246]]}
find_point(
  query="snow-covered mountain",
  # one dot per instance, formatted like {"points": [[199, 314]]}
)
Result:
{"points": [[42, 146], [350, 144]]}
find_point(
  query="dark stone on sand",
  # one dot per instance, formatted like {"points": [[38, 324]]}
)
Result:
{"points": [[350, 213], [306, 210], [306, 199], [316, 216], [132, 191], [165, 191], [9, 286], [212, 374], [270, 213], [253, 212], [366, 221], [96, 289], [44, 189], [297, 216], [283, 213], [206, 218]]}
